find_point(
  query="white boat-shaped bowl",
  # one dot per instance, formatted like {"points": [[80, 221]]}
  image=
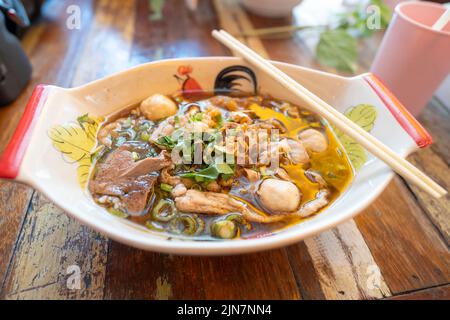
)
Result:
{"points": [[60, 170]]}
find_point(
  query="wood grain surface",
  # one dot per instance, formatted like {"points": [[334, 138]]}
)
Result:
{"points": [[398, 248]]}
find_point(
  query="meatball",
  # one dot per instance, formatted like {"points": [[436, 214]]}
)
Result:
{"points": [[157, 107], [313, 140], [295, 151], [279, 196]]}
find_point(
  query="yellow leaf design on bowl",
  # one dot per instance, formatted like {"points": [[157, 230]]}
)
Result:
{"points": [[75, 141], [356, 153], [363, 115], [83, 169]]}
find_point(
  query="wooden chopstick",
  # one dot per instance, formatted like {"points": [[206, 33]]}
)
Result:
{"points": [[262, 32], [373, 145]]}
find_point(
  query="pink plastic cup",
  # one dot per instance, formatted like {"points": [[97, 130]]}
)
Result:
{"points": [[413, 59]]}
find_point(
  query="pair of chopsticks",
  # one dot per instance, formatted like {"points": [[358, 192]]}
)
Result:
{"points": [[370, 143]]}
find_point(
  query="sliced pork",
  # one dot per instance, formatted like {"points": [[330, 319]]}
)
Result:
{"points": [[132, 182], [208, 202]]}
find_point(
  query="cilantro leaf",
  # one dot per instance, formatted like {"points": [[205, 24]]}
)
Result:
{"points": [[212, 172], [166, 141]]}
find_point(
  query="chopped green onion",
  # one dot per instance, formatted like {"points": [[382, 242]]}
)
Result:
{"points": [[145, 136], [127, 123], [200, 223], [197, 117], [239, 220], [151, 153], [164, 211], [187, 224], [235, 217], [152, 226], [224, 229], [120, 141], [145, 125], [166, 187], [128, 132], [196, 186], [219, 120], [117, 213]]}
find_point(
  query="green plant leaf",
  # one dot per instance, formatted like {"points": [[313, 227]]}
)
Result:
{"points": [[355, 21], [337, 49]]}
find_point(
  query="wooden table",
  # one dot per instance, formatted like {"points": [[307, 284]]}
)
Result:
{"points": [[396, 248]]}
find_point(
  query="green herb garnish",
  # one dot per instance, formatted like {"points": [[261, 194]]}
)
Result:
{"points": [[117, 213], [212, 172], [166, 141], [219, 120], [145, 136], [166, 187], [197, 117]]}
